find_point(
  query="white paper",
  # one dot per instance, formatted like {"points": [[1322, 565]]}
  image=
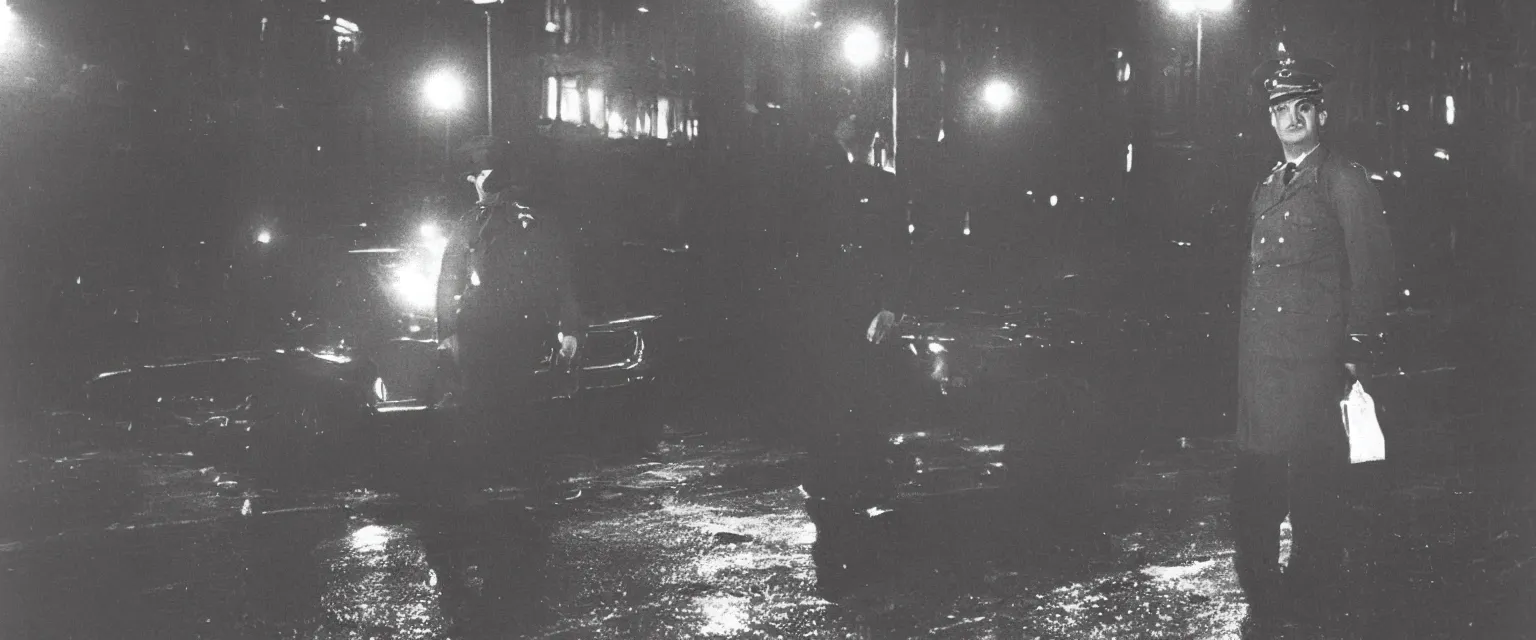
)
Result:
{"points": [[1366, 443]]}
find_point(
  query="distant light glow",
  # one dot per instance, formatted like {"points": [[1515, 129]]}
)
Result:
{"points": [[1281, 48], [264, 236], [998, 95], [643, 9], [1407, 293], [934, 347], [783, 7], [1130, 156], [1053, 201], [431, 231], [1404, 107], [862, 46], [1443, 154], [552, 27], [346, 26], [1450, 110], [1377, 177], [1397, 174]]}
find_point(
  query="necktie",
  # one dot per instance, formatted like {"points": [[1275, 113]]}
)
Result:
{"points": [[1290, 172]]}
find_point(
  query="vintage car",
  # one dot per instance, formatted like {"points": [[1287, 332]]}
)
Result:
{"points": [[1054, 388], [356, 352]]}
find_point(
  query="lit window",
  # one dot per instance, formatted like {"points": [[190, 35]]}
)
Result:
{"points": [[1130, 151], [595, 106], [570, 99], [663, 117], [617, 126], [1123, 74], [551, 98], [1450, 109]]}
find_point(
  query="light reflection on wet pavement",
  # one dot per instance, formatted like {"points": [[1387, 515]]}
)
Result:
{"points": [[701, 539]]}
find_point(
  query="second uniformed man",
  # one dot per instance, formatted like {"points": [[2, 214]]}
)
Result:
{"points": [[1320, 272]]}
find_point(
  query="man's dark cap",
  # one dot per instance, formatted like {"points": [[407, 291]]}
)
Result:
{"points": [[1288, 78]]}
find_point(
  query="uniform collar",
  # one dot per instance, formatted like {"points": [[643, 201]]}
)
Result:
{"points": [[1304, 156], [1314, 151]]}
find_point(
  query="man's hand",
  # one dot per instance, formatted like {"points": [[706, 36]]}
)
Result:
{"points": [[450, 345], [1358, 372], [880, 327], [568, 346]]}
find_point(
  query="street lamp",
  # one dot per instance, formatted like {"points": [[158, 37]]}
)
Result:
{"points": [[998, 95], [445, 93], [7, 23], [1199, 8], [490, 104], [862, 46]]}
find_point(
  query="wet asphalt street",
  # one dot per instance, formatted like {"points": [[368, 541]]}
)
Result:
{"points": [[707, 537]]}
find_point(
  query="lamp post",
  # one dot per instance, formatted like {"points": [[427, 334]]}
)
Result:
{"points": [[1199, 8], [490, 103]]}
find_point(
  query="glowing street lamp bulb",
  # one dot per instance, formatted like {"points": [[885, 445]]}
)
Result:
{"points": [[784, 7], [862, 46], [998, 95], [430, 231], [444, 92], [7, 22], [1187, 6], [264, 237]]}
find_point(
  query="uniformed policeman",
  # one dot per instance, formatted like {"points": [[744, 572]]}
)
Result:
{"points": [[1320, 272], [850, 274], [505, 302]]}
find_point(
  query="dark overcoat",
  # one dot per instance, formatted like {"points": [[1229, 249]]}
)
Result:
{"points": [[1320, 273]]}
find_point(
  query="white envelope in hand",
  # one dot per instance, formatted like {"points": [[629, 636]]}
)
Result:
{"points": [[1365, 441]]}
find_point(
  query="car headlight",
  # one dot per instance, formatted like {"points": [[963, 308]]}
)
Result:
{"points": [[415, 281], [416, 288]]}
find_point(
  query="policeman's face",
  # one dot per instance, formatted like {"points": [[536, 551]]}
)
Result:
{"points": [[1298, 122]]}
